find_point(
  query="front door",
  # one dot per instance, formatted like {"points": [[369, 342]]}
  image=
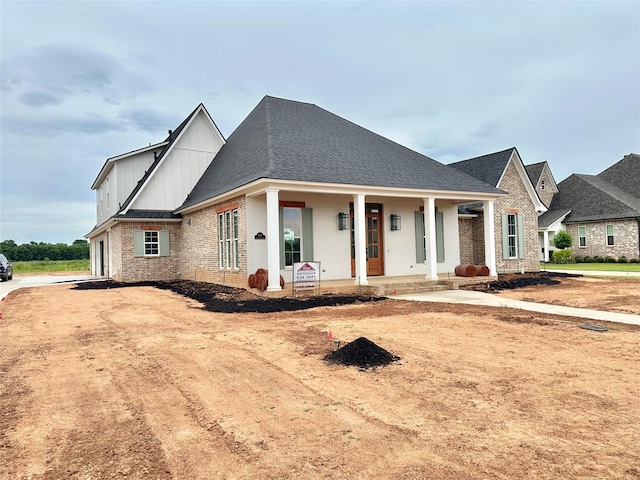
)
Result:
{"points": [[373, 224]]}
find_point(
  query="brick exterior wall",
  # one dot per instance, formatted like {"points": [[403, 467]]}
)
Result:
{"points": [[517, 200], [465, 229], [472, 230], [547, 194], [115, 236], [199, 257], [626, 235], [148, 268]]}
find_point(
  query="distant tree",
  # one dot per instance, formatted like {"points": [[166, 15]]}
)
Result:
{"points": [[79, 250], [562, 240], [80, 241]]}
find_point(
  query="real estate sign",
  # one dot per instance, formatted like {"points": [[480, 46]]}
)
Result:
{"points": [[306, 275]]}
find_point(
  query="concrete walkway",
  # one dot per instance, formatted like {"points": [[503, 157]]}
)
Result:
{"points": [[594, 273], [480, 298], [40, 281]]}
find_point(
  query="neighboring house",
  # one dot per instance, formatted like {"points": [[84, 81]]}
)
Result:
{"points": [[601, 212], [292, 183], [548, 224], [515, 215]]}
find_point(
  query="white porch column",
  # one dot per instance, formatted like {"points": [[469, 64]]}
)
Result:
{"points": [[360, 231], [545, 244], [431, 260], [489, 237], [273, 240]]}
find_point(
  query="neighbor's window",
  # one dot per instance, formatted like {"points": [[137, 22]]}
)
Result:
{"points": [[292, 229], [151, 243], [582, 236], [228, 239], [512, 235], [609, 235]]}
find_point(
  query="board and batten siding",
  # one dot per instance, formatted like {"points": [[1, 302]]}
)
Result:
{"points": [[178, 173]]}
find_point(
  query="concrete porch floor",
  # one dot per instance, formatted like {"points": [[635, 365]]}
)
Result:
{"points": [[384, 285]]}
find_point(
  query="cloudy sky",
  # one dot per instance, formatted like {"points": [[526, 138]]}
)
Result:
{"points": [[84, 81]]}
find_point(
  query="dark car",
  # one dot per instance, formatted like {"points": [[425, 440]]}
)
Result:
{"points": [[6, 269]]}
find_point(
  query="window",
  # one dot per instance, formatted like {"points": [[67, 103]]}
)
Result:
{"points": [[609, 235], [228, 239], [107, 194], [421, 238], [292, 231], [151, 243], [582, 237], [542, 185], [296, 233], [512, 235]]}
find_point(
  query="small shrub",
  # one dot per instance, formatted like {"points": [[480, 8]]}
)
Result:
{"points": [[588, 260], [563, 256], [610, 260], [578, 259], [623, 259], [598, 259], [634, 260], [562, 240]]}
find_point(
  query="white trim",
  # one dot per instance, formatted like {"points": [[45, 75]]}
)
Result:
{"points": [[195, 114], [360, 234], [531, 190], [260, 186], [489, 237], [112, 160], [273, 240]]}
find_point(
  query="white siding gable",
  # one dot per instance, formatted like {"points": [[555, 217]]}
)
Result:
{"points": [[180, 169]]}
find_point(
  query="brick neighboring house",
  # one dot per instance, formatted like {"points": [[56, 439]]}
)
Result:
{"points": [[601, 212], [515, 215], [548, 224], [292, 183]]}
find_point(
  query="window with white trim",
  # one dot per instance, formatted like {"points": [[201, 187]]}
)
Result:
{"points": [[151, 243], [512, 235], [610, 239], [513, 244], [582, 237], [228, 239], [292, 230], [542, 184]]}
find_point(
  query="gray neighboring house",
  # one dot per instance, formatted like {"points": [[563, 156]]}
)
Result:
{"points": [[601, 212], [515, 215], [292, 183]]}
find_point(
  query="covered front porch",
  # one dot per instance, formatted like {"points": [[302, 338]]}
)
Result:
{"points": [[382, 285]]}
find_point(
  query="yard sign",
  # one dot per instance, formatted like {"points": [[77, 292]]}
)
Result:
{"points": [[306, 275]]}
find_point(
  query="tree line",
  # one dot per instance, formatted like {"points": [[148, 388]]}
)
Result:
{"points": [[78, 250]]}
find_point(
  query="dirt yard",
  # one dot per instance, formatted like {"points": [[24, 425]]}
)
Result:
{"points": [[144, 383]]}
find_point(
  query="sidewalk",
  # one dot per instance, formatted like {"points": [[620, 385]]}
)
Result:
{"points": [[480, 298], [594, 273]]}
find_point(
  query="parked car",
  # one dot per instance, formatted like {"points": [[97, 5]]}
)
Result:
{"points": [[6, 269]]}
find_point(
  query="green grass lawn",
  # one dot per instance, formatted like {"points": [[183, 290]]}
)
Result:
{"points": [[51, 266], [598, 267]]}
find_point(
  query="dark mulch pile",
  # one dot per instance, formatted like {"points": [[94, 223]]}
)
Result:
{"points": [[225, 299], [362, 353], [520, 280]]}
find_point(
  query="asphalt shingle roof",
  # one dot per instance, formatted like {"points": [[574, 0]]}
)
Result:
{"points": [[534, 171], [625, 174], [488, 168], [592, 198], [290, 140]]}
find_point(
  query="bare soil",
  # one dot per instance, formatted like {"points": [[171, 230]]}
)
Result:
{"points": [[146, 383]]}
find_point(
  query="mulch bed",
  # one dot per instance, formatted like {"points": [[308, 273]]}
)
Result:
{"points": [[511, 281], [225, 299]]}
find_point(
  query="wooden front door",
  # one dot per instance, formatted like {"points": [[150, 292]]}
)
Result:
{"points": [[373, 225]]}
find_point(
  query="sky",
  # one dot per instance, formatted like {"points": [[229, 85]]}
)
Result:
{"points": [[87, 80]]}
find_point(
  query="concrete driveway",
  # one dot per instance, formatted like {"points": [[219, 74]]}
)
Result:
{"points": [[40, 281]]}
